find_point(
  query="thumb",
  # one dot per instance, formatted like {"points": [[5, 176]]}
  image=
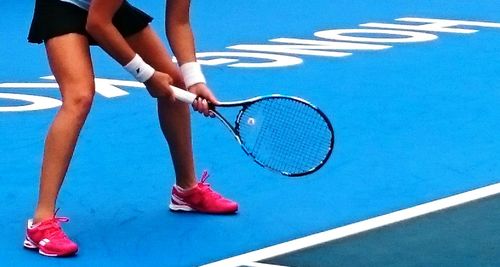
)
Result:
{"points": [[212, 99]]}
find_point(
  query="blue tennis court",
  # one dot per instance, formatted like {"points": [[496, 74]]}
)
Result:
{"points": [[411, 87]]}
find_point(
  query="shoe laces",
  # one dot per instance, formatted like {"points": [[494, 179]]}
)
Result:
{"points": [[52, 228], [202, 184]]}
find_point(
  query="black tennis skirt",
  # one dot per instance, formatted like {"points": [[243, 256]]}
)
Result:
{"points": [[53, 18]]}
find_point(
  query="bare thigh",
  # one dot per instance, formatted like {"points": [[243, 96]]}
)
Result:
{"points": [[70, 62]]}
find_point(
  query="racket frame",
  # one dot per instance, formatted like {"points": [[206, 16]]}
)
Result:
{"points": [[189, 98]]}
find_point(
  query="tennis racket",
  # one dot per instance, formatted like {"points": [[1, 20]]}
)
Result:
{"points": [[282, 133]]}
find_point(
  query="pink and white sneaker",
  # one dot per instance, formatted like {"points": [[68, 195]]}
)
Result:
{"points": [[48, 237], [201, 198]]}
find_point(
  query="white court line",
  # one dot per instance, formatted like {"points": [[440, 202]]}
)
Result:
{"points": [[356, 228], [258, 264]]}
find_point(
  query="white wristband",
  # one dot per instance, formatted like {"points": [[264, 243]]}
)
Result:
{"points": [[192, 74], [141, 70]]}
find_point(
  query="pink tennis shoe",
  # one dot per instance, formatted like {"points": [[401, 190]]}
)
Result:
{"points": [[201, 198], [49, 238]]}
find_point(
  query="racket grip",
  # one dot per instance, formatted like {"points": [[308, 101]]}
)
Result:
{"points": [[183, 95]]}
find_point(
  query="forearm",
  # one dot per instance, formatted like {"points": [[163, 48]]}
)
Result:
{"points": [[179, 31], [100, 27]]}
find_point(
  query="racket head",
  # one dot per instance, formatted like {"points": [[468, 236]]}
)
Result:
{"points": [[285, 134]]}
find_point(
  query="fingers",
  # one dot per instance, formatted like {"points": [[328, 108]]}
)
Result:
{"points": [[159, 86], [202, 106], [210, 97], [205, 99]]}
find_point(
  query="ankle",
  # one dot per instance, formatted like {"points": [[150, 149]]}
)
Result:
{"points": [[40, 216], [186, 184], [184, 188]]}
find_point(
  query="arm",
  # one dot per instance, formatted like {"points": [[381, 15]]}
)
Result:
{"points": [[179, 32], [181, 39], [100, 26]]}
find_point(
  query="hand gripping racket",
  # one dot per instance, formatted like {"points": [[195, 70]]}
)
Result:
{"points": [[281, 133]]}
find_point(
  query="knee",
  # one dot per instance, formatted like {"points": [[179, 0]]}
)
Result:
{"points": [[79, 103]]}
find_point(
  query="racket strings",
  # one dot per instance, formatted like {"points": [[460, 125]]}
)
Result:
{"points": [[290, 154], [285, 134]]}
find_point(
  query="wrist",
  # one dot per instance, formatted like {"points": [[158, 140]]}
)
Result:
{"points": [[141, 70], [192, 74]]}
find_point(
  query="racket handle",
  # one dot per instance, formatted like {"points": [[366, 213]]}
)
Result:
{"points": [[183, 95]]}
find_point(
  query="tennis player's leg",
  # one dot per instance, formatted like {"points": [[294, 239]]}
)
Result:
{"points": [[70, 62], [174, 117], [175, 123]]}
